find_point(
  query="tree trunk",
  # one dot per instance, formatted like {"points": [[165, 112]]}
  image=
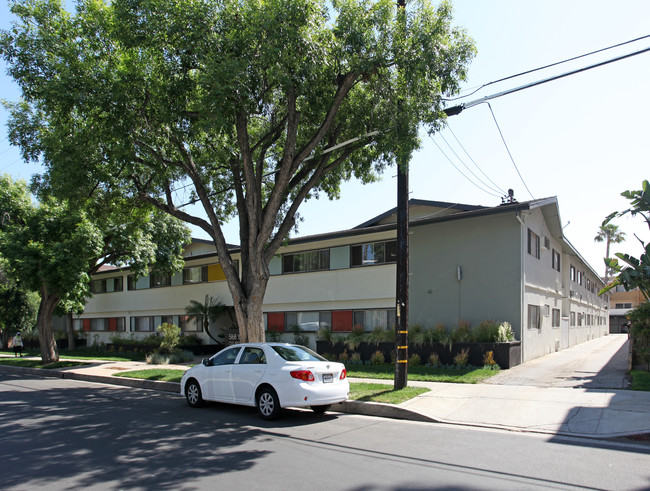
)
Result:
{"points": [[249, 315], [49, 352], [68, 325]]}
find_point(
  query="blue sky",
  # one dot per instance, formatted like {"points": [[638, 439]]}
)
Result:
{"points": [[583, 139]]}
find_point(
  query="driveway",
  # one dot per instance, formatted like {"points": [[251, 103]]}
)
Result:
{"points": [[597, 364]]}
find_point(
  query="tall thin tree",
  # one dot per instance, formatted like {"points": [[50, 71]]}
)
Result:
{"points": [[610, 234]]}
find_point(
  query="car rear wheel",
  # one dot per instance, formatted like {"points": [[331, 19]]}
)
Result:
{"points": [[268, 403], [193, 394], [321, 409]]}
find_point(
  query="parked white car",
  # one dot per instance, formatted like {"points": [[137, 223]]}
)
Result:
{"points": [[270, 376]]}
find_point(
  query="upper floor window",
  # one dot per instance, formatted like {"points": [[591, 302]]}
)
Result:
{"points": [[98, 286], [158, 280], [306, 261], [573, 273], [580, 277], [556, 260], [533, 244], [115, 284], [374, 253], [197, 274]]}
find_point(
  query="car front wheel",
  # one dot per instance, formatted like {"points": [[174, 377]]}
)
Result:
{"points": [[268, 403], [193, 394]]}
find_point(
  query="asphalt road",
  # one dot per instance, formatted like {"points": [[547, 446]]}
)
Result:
{"points": [[67, 434]]}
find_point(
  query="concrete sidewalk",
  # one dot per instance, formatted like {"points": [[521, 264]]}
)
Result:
{"points": [[559, 410]]}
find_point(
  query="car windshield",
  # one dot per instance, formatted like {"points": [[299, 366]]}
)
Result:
{"points": [[297, 353]]}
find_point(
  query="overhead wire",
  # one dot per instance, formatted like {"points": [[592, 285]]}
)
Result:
{"points": [[508, 150], [487, 191], [547, 66]]}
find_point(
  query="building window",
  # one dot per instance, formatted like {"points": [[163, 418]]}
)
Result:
{"points": [[197, 274], [373, 253], [588, 284], [555, 319], [306, 261], [190, 324], [308, 321], [100, 324], [573, 273], [533, 244], [580, 277], [534, 317], [118, 284], [370, 320], [572, 321], [98, 286], [580, 317], [142, 324], [159, 280], [556, 260]]}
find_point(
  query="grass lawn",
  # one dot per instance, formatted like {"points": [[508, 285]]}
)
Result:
{"points": [[640, 380], [25, 363], [358, 391], [468, 375]]}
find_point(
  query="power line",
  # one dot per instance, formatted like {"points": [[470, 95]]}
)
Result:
{"points": [[465, 165], [548, 66], [496, 186], [508, 150], [460, 171]]}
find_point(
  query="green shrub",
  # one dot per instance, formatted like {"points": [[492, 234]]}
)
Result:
{"points": [[415, 360], [344, 357], [171, 337], [379, 335], [462, 333], [486, 332], [461, 359], [355, 338], [434, 360], [377, 358], [355, 359], [157, 358]]}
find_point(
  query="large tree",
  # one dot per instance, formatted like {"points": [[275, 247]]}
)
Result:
{"points": [[610, 234], [245, 107], [54, 247]]}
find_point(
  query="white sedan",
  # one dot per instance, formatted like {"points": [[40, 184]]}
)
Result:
{"points": [[269, 376]]}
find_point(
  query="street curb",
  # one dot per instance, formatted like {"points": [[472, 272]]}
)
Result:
{"points": [[350, 407], [123, 381]]}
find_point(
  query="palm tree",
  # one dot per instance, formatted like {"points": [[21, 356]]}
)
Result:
{"points": [[207, 312], [610, 234]]}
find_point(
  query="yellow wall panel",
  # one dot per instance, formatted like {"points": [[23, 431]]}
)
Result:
{"points": [[215, 273]]}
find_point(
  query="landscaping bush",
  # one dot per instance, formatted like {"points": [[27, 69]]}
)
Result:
{"points": [[377, 358], [434, 360], [415, 360], [488, 359], [486, 332], [461, 359]]}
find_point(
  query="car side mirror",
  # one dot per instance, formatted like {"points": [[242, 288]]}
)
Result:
{"points": [[206, 362]]}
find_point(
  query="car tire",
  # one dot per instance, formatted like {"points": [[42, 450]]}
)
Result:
{"points": [[268, 403], [193, 394], [321, 409]]}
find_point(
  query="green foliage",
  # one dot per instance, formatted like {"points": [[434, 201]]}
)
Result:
{"points": [[461, 359], [209, 311], [355, 338], [415, 360], [434, 360], [299, 336], [640, 380], [486, 332], [171, 336], [355, 359], [377, 358], [379, 335], [640, 317], [635, 272], [128, 100], [462, 333], [345, 356]]}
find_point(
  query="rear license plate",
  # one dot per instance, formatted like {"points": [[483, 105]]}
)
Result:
{"points": [[327, 378]]}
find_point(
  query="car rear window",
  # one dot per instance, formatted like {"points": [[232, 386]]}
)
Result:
{"points": [[297, 353]]}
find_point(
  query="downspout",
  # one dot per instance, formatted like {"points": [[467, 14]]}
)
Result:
{"points": [[522, 288]]}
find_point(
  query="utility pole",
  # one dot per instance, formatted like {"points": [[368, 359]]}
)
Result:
{"points": [[402, 287]]}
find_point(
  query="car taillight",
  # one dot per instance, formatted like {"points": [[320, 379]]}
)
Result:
{"points": [[305, 375], [344, 373]]}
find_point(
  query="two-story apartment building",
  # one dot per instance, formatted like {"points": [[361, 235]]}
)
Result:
{"points": [[472, 263]]}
